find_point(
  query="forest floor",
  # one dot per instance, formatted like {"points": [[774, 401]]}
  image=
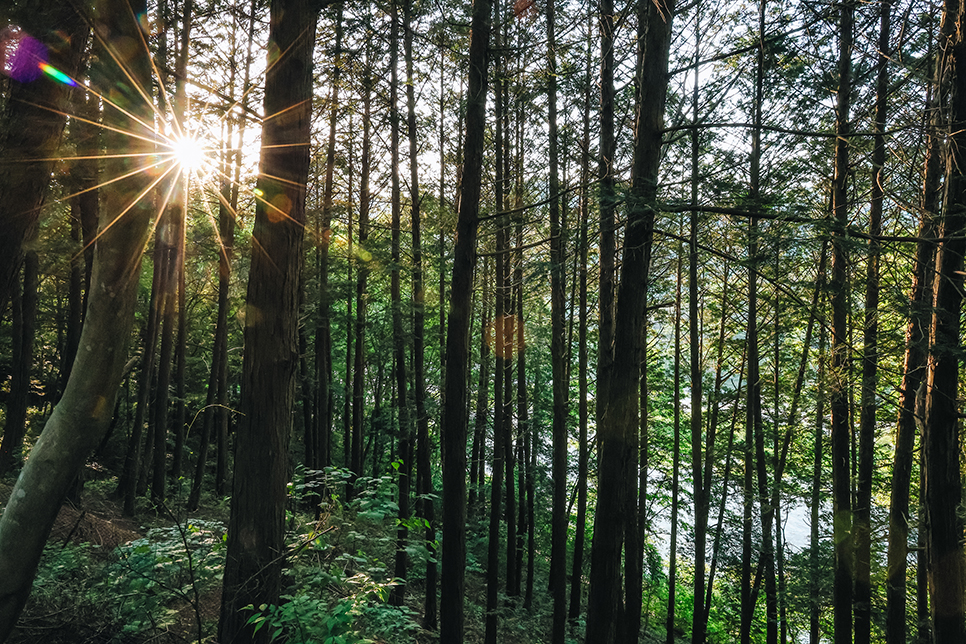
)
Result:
{"points": [[110, 579]]}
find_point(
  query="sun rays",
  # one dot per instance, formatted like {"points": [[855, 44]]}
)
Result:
{"points": [[197, 141]]}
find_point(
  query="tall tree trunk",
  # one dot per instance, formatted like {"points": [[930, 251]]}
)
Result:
{"points": [[424, 480], [618, 388], [870, 352], [941, 444], [753, 429], [499, 343], [255, 553], [83, 414], [398, 335], [454, 422], [702, 498], [322, 426], [354, 445], [838, 383], [580, 523], [558, 538], [907, 425]]}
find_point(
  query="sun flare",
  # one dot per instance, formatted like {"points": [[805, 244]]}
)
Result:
{"points": [[190, 154]]}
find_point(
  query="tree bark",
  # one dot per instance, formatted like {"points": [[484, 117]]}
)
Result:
{"points": [[941, 444], [255, 552], [838, 394], [32, 127], [83, 414], [618, 387], [454, 422]]}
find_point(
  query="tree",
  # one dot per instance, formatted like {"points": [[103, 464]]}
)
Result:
{"points": [[83, 414], [617, 394], [34, 121], [255, 552], [457, 337], [941, 445]]}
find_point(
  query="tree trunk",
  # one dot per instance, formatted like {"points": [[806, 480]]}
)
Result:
{"points": [[83, 414], [914, 368], [618, 389], [353, 446], [457, 337], [255, 553], [870, 352], [24, 331], [580, 523], [404, 473], [941, 444], [36, 110], [675, 461], [558, 539], [838, 383]]}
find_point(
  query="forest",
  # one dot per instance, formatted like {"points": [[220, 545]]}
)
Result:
{"points": [[334, 322]]}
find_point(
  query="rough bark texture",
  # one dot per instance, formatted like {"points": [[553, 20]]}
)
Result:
{"points": [[256, 530], [618, 393], [941, 444], [79, 421], [457, 338]]}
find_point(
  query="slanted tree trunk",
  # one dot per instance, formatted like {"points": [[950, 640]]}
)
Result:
{"points": [[255, 553], [83, 414]]}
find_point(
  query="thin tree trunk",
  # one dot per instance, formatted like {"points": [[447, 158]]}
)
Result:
{"points": [[580, 523], [675, 460], [24, 332], [404, 473], [838, 383], [870, 353], [814, 563], [702, 497], [354, 445], [558, 538]]}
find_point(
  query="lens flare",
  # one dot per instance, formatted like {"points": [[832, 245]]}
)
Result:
{"points": [[21, 55], [190, 154], [57, 75]]}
